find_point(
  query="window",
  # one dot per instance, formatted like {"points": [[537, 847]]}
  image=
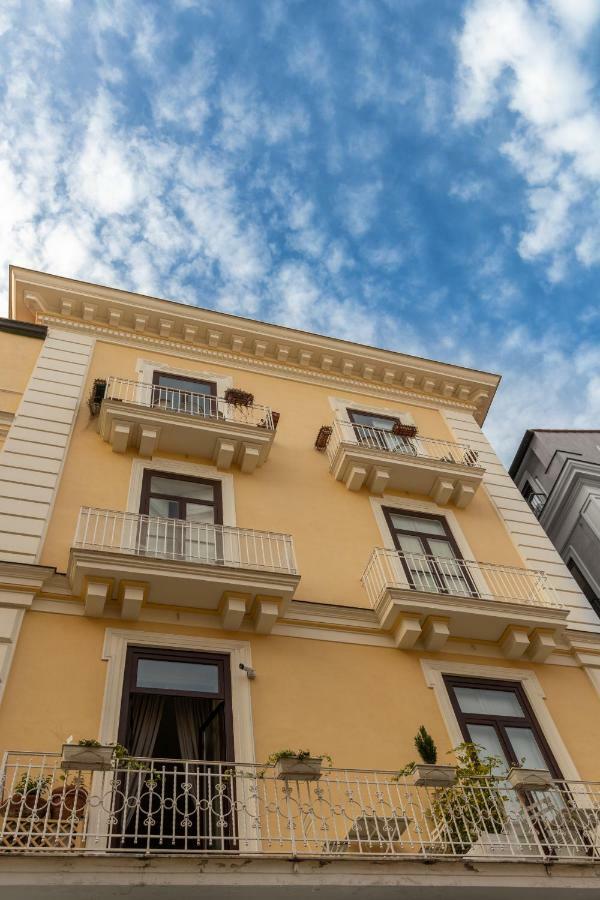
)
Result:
{"points": [[183, 394], [497, 716], [182, 512], [586, 588], [377, 431], [429, 554]]}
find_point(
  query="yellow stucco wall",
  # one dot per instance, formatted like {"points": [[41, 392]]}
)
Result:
{"points": [[18, 356], [293, 492], [361, 704]]}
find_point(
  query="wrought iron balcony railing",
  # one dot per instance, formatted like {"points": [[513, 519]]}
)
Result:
{"points": [[187, 402], [177, 539], [367, 437], [455, 577], [162, 806]]}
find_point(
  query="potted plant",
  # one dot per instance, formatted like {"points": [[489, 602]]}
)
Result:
{"points": [[523, 779], [238, 398], [97, 395], [28, 797], [87, 756], [472, 810], [69, 799], [297, 765], [323, 437], [401, 430], [428, 773]]}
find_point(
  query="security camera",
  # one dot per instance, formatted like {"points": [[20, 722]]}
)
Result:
{"points": [[250, 673]]}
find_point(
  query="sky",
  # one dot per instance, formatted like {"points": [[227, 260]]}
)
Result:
{"points": [[422, 175]]}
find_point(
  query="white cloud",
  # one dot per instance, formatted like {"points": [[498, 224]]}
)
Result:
{"points": [[359, 205], [528, 57]]}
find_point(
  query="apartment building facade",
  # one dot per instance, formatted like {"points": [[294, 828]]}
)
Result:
{"points": [[221, 540], [558, 474]]}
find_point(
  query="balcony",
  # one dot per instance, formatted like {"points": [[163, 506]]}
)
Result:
{"points": [[156, 807], [424, 600], [361, 455], [131, 559], [149, 417]]}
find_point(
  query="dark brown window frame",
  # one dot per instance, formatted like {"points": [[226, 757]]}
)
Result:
{"points": [[499, 723], [388, 511], [221, 660], [217, 504], [363, 412], [158, 372]]}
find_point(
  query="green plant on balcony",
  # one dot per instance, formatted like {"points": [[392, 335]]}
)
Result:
{"points": [[473, 806], [425, 746], [237, 397]]}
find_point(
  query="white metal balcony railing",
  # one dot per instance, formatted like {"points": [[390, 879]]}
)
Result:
{"points": [[174, 806], [537, 503], [345, 432], [187, 402], [457, 577], [177, 539]]}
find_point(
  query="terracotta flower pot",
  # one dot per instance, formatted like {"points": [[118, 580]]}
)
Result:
{"points": [[24, 805], [67, 800]]}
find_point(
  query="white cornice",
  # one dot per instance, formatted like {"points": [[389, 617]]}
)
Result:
{"points": [[126, 317]]}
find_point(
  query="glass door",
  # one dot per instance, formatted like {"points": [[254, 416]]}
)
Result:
{"points": [[377, 432], [182, 512], [429, 554], [497, 716], [177, 724], [186, 395]]}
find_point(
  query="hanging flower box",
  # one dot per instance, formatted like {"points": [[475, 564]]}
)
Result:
{"points": [[97, 395], [522, 779], [430, 775], [86, 759], [295, 768], [238, 398], [323, 437], [401, 430]]}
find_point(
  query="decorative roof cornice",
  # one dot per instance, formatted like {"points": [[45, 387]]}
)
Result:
{"points": [[127, 317]]}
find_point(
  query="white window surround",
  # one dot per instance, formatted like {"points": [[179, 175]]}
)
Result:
{"points": [[340, 406], [116, 642], [572, 554], [146, 368], [424, 506], [434, 670], [179, 467]]}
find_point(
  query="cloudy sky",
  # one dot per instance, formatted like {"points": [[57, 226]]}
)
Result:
{"points": [[422, 175]]}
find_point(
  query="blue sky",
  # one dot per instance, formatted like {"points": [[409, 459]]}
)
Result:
{"points": [[423, 175]]}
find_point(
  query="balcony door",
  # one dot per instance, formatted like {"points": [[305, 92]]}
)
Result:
{"points": [[497, 716], [377, 431], [181, 514], [186, 395], [429, 553], [176, 711]]}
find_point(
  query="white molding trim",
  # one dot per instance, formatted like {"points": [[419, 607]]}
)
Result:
{"points": [[572, 554], [114, 651], [425, 506], [145, 369], [179, 467], [341, 404], [434, 669]]}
